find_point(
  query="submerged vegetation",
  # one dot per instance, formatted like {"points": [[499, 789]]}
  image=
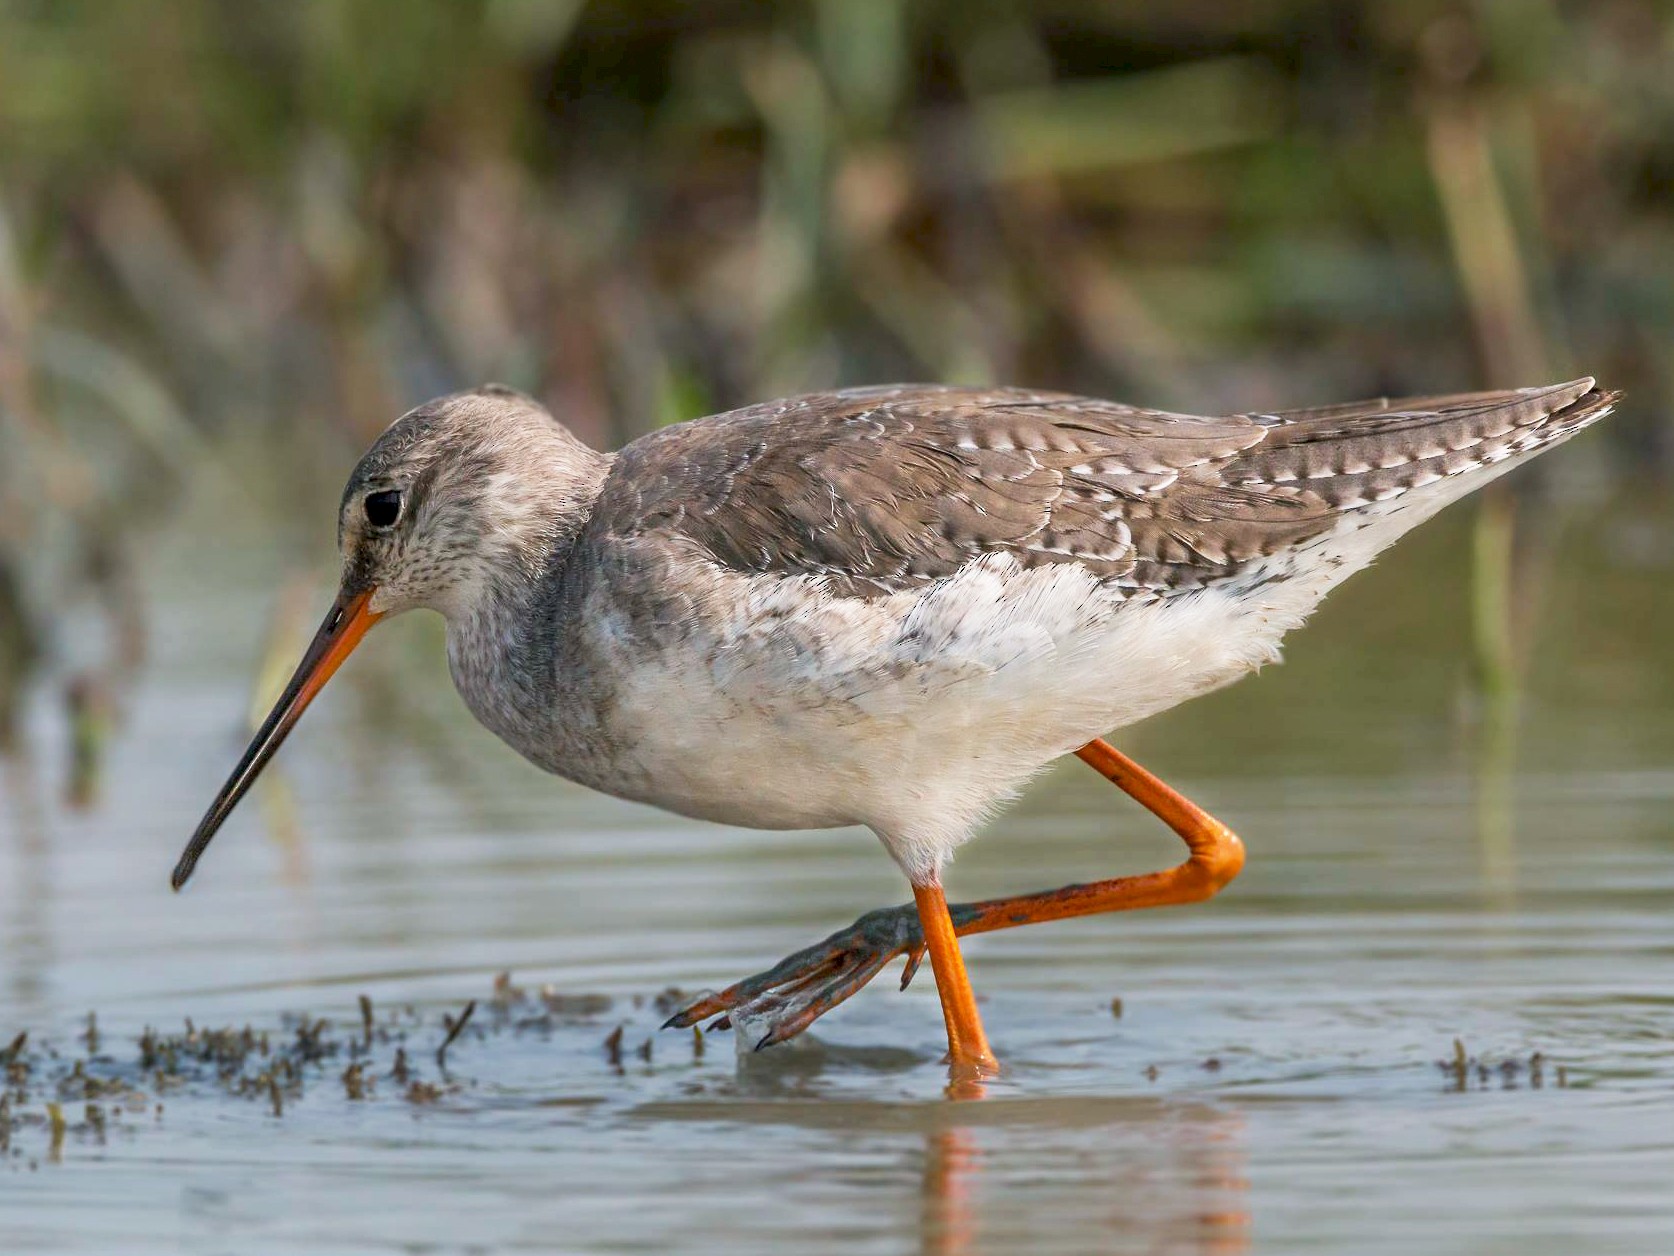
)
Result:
{"points": [[56, 1095], [87, 1092]]}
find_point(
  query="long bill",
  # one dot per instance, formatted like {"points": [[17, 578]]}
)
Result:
{"points": [[335, 641]]}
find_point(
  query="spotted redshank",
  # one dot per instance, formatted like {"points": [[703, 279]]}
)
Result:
{"points": [[884, 606]]}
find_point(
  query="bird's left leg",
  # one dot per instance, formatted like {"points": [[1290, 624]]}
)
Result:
{"points": [[1216, 856]]}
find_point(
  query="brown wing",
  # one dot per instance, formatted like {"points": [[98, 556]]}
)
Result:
{"points": [[880, 489]]}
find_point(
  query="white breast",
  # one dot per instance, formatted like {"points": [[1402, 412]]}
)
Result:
{"points": [[915, 714]]}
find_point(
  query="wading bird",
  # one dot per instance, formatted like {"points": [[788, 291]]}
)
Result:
{"points": [[884, 606]]}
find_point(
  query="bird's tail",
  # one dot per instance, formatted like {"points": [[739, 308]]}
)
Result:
{"points": [[1376, 451]]}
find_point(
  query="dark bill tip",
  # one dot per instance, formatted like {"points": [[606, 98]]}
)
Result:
{"points": [[335, 641]]}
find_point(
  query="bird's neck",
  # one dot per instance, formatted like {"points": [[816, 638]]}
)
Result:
{"points": [[514, 509], [538, 504], [506, 642]]}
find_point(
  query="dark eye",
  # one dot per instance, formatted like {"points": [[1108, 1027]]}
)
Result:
{"points": [[383, 509]]}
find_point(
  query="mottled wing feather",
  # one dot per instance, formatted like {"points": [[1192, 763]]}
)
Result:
{"points": [[879, 489], [1357, 456], [875, 490]]}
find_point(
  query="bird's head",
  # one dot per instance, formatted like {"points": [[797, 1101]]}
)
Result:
{"points": [[461, 495], [458, 502]]}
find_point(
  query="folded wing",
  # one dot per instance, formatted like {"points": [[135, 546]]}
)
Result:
{"points": [[882, 489]]}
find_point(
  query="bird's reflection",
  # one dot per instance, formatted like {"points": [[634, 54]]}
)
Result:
{"points": [[952, 1175], [1177, 1177]]}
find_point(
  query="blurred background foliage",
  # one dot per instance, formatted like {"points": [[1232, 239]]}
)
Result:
{"points": [[236, 239]]}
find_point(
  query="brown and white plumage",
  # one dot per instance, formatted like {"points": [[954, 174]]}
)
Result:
{"points": [[891, 606]]}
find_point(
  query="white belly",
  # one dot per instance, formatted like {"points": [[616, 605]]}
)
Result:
{"points": [[917, 713]]}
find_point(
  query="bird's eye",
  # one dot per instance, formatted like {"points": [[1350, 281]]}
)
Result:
{"points": [[384, 508]]}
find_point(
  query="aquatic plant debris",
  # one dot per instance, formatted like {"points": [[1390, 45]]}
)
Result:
{"points": [[1465, 1071], [454, 1028], [95, 1085], [274, 1066]]}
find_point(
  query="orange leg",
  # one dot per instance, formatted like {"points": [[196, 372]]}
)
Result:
{"points": [[1216, 857], [967, 1045], [798, 990]]}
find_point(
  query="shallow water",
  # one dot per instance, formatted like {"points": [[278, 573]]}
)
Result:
{"points": [[1272, 1083]]}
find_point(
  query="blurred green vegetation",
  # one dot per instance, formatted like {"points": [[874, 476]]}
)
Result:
{"points": [[272, 225]]}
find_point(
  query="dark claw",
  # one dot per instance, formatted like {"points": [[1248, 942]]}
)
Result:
{"points": [[801, 988], [910, 968]]}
